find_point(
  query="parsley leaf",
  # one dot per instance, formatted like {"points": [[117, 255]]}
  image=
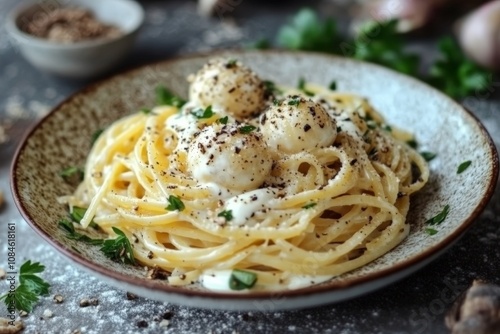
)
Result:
{"points": [[294, 102], [77, 215], [72, 174], [95, 136], [412, 143], [164, 97], [247, 129], [380, 43], [146, 111], [440, 217], [241, 279], [309, 206], [428, 156], [223, 120], [30, 287], [119, 249], [270, 88], [455, 74], [227, 214], [203, 113], [333, 85], [67, 226], [302, 86], [175, 203], [463, 166], [431, 231], [306, 31]]}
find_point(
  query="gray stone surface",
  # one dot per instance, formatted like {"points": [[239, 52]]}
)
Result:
{"points": [[416, 304]]}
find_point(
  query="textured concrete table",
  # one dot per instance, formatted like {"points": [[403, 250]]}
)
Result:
{"points": [[416, 304]]}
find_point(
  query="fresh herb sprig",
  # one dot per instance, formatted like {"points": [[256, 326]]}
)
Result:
{"points": [[119, 249], [175, 203], [72, 234], [242, 279], [31, 287], [246, 129], [164, 97], [203, 113]]}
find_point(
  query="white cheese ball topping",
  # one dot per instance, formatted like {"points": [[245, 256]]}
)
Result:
{"points": [[227, 85], [227, 156], [296, 124]]}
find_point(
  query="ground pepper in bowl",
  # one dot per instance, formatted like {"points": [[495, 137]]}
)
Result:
{"points": [[70, 25]]}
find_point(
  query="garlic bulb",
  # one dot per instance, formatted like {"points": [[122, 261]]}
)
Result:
{"points": [[478, 34]]}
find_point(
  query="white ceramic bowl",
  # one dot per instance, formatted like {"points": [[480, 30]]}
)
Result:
{"points": [[82, 59]]}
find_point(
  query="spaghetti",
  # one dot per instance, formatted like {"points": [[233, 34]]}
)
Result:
{"points": [[293, 185]]}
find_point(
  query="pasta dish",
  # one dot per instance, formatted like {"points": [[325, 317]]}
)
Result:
{"points": [[279, 186]]}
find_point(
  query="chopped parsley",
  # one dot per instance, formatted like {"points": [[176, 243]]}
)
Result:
{"points": [[387, 128], [270, 88], [232, 63], [431, 231], [146, 111], [164, 97], [294, 102], [203, 113], [77, 215], [333, 85], [175, 203], [440, 217], [241, 279], [428, 156], [72, 173], [463, 166], [227, 214], [302, 86], [247, 129], [118, 249], [260, 44], [31, 287], [412, 143], [223, 120], [95, 136], [67, 226], [309, 206]]}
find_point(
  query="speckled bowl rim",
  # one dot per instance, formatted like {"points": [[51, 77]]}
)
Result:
{"points": [[400, 270]]}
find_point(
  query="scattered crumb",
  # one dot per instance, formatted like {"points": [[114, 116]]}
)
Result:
{"points": [[58, 299], [7, 328], [131, 296], [89, 302], [142, 324], [164, 323], [2, 273], [47, 314]]}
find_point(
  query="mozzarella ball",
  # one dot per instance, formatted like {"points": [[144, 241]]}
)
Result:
{"points": [[229, 86], [230, 157], [296, 124]]}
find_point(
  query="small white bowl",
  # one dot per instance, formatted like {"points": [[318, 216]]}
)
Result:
{"points": [[81, 59]]}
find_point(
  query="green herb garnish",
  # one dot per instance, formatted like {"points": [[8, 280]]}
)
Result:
{"points": [[333, 85], [306, 31], [203, 113], [146, 111], [294, 102], [241, 279], [463, 166], [455, 74], [175, 203], [412, 143], [223, 120], [118, 249], [30, 288], [302, 86], [260, 44], [232, 63], [77, 215], [440, 217], [381, 43], [430, 231], [72, 173], [72, 234], [227, 214], [270, 88], [164, 97], [428, 156], [95, 136], [247, 129], [309, 206]]}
